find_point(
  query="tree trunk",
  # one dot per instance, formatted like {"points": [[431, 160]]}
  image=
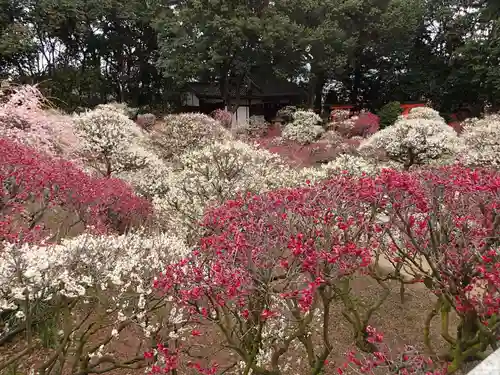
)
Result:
{"points": [[231, 105], [315, 88], [356, 85], [318, 95]]}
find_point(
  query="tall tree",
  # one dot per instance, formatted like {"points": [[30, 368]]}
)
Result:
{"points": [[86, 51], [360, 45], [16, 46], [380, 36], [321, 42], [454, 61], [219, 40]]}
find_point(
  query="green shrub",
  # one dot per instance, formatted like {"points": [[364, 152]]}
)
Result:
{"points": [[389, 114]]}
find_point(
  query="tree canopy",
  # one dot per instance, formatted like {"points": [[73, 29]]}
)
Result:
{"points": [[363, 52]]}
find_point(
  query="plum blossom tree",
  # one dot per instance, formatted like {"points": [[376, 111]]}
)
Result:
{"points": [[25, 118], [420, 139], [305, 127], [443, 226], [215, 173], [269, 269], [187, 131], [409, 361], [355, 165], [87, 291], [35, 186], [482, 140], [112, 143], [270, 266]]}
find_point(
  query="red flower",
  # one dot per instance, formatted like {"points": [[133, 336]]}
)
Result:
{"points": [[195, 332], [265, 314]]}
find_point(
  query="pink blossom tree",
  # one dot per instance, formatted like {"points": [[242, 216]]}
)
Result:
{"points": [[26, 117]]}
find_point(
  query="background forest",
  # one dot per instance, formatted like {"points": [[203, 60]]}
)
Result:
{"points": [[367, 52]]}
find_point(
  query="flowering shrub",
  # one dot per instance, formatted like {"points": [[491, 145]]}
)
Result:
{"points": [[146, 121], [413, 141], [269, 268], [35, 185], [407, 362], [353, 165], [362, 125], [482, 141], [424, 113], [339, 115], [286, 113], [96, 288], [121, 108], [24, 118], [299, 156], [332, 137], [366, 124], [187, 131], [442, 225], [112, 142], [255, 127], [349, 126], [304, 129], [149, 182], [214, 174], [345, 128], [224, 117]]}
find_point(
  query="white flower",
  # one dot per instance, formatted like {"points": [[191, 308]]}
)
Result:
{"points": [[84, 262], [215, 173], [482, 141], [186, 131], [353, 165], [304, 129], [256, 126], [415, 140], [20, 315], [424, 113], [112, 143], [114, 332], [173, 335], [30, 273]]}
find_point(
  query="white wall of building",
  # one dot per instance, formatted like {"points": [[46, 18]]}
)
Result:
{"points": [[241, 115], [191, 100]]}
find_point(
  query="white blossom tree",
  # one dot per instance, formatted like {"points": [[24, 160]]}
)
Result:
{"points": [[94, 288], [482, 141], [305, 127], [186, 131], [218, 172], [423, 138], [112, 143]]}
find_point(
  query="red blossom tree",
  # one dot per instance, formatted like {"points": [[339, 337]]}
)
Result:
{"points": [[36, 187], [443, 226], [270, 266], [407, 361]]}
